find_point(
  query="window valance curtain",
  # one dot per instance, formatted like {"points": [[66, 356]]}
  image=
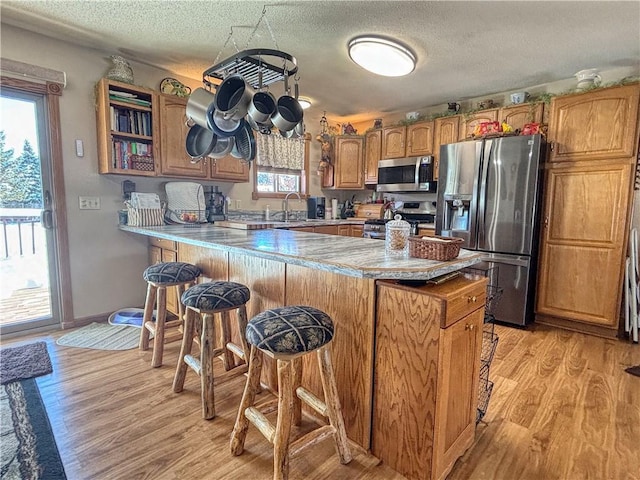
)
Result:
{"points": [[279, 152]]}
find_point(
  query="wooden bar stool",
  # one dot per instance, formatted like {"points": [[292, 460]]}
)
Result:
{"points": [[286, 334], [159, 277], [207, 300]]}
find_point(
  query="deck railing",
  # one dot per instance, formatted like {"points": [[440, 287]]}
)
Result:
{"points": [[21, 231]]}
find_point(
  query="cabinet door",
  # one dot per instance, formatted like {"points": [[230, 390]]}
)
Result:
{"points": [[445, 131], [426, 232], [344, 230], [582, 249], [594, 125], [230, 169], [356, 231], [393, 142], [172, 294], [349, 168], [327, 229], [519, 115], [457, 397], [174, 160], [155, 255], [469, 122], [373, 150], [420, 139]]}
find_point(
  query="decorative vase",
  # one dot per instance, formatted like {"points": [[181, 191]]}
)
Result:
{"points": [[121, 70]]}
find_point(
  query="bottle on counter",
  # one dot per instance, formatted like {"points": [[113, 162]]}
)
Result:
{"points": [[267, 213]]}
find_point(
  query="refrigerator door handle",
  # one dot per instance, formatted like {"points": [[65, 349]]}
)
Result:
{"points": [[482, 200], [521, 261]]}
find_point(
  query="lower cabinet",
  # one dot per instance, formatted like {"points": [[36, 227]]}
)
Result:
{"points": [[428, 343], [161, 250], [343, 230]]}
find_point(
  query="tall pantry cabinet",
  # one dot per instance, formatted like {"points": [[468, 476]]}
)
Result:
{"points": [[593, 142]]}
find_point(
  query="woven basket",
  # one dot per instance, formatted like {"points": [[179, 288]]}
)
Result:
{"points": [[443, 249]]}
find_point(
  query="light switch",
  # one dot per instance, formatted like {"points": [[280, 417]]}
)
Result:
{"points": [[79, 148]]}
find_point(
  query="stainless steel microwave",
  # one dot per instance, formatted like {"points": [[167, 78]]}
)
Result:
{"points": [[411, 174]]}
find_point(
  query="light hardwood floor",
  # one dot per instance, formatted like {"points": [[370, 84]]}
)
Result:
{"points": [[562, 408]]}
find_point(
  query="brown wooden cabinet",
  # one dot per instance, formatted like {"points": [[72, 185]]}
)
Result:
{"points": [[419, 139], [161, 250], [470, 121], [587, 209], [349, 162], [393, 142], [174, 161], [428, 344], [372, 155], [519, 115], [407, 141], [229, 169], [445, 131], [127, 128], [356, 231], [596, 125]]}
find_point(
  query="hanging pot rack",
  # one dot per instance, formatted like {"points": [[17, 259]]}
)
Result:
{"points": [[252, 64]]}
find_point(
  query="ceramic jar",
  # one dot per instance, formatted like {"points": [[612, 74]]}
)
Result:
{"points": [[121, 71]]}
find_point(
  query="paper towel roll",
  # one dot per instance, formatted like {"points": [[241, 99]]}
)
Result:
{"points": [[334, 208]]}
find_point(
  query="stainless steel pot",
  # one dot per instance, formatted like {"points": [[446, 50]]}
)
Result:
{"points": [[233, 97], [261, 107], [223, 147], [224, 127], [198, 106], [288, 113]]}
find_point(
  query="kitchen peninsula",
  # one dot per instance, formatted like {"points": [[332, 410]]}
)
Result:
{"points": [[406, 357]]}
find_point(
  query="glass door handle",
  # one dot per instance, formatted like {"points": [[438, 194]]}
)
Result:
{"points": [[46, 218]]}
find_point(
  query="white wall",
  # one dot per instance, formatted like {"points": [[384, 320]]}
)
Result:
{"points": [[106, 264]]}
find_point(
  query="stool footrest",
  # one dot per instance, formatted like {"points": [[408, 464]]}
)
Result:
{"points": [[193, 363], [267, 407], [229, 374], [314, 402], [237, 350], [261, 423], [310, 439]]}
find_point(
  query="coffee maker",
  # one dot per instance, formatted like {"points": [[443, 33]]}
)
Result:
{"points": [[216, 205], [315, 207]]}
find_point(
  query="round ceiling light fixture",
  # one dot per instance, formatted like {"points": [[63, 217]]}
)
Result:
{"points": [[304, 102], [382, 56]]}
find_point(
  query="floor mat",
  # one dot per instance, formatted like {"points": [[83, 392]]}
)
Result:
{"points": [[102, 336]]}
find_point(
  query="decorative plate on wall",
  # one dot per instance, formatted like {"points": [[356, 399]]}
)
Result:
{"points": [[172, 86]]}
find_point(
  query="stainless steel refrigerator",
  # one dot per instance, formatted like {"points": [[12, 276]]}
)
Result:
{"points": [[489, 195]]}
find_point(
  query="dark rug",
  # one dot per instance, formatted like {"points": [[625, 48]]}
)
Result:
{"points": [[633, 370], [28, 448], [24, 361]]}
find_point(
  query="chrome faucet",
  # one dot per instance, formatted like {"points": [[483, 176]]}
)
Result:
{"points": [[287, 212]]}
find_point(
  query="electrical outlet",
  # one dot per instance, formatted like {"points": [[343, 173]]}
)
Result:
{"points": [[89, 203]]}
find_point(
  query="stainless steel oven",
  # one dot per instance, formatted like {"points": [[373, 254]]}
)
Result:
{"points": [[376, 228]]}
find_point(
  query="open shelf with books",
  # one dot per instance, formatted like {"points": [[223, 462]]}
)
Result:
{"points": [[128, 139]]}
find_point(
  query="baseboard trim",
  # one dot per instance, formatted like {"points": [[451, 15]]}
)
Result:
{"points": [[81, 322]]}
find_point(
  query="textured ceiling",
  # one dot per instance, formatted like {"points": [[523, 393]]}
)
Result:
{"points": [[465, 49]]}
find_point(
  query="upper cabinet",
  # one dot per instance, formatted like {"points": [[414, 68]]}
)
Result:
{"points": [[127, 122], [349, 162], [229, 169], [393, 142], [445, 131], [419, 139], [470, 121], [372, 152], [410, 141], [517, 116], [594, 125], [174, 160]]}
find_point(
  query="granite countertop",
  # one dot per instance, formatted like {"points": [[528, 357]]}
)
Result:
{"points": [[262, 224], [353, 256]]}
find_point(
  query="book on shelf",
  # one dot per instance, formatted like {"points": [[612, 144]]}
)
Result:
{"points": [[132, 101], [127, 155]]}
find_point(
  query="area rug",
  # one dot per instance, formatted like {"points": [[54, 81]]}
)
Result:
{"points": [[24, 361], [102, 336], [28, 448]]}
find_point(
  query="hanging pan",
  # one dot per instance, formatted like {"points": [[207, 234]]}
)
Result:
{"points": [[200, 141], [233, 97], [223, 127], [198, 106], [245, 144], [223, 147]]}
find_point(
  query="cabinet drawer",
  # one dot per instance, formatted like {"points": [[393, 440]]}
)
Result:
{"points": [[163, 243], [463, 303]]}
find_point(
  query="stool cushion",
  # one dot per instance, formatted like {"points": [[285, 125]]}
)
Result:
{"points": [[171, 272], [290, 330], [212, 296]]}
